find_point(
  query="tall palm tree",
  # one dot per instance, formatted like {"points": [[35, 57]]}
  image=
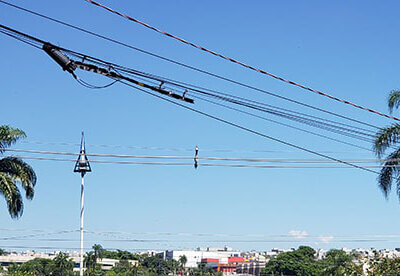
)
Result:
{"points": [[388, 138], [182, 262], [14, 171], [98, 252]]}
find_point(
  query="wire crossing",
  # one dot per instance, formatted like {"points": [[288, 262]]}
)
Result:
{"points": [[243, 64], [68, 66], [105, 67], [182, 64]]}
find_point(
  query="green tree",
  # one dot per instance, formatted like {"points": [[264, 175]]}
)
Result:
{"points": [[173, 266], [90, 262], [201, 270], [182, 262], [297, 262], [98, 252], [384, 267], [385, 139], [154, 264], [14, 171], [337, 263], [124, 267], [119, 255], [37, 266], [62, 265]]}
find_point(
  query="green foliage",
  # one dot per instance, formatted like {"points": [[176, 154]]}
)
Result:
{"points": [[387, 138], [119, 255], [337, 263], [9, 135], [303, 262], [125, 268], [202, 270], [14, 171], [37, 266], [394, 100], [61, 265], [384, 266], [155, 264]]}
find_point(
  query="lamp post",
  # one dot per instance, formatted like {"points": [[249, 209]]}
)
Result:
{"points": [[82, 166]]}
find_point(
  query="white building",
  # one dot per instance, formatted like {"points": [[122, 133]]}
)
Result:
{"points": [[194, 256]]}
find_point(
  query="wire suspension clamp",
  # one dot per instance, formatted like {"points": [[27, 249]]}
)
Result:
{"points": [[70, 66]]}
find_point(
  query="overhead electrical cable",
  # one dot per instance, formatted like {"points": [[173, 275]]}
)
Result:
{"points": [[311, 122], [229, 165], [252, 131], [184, 65], [178, 149], [243, 64], [199, 89], [283, 124], [279, 111], [214, 158], [198, 234], [70, 66]]}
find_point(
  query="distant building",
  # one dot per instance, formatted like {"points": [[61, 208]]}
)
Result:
{"points": [[194, 257], [225, 265], [20, 258]]}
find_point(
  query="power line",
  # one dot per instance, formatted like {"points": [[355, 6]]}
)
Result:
{"points": [[283, 124], [314, 123], [311, 122], [202, 234], [211, 158], [232, 165], [241, 63], [183, 64], [220, 150], [252, 131], [300, 117], [204, 113]]}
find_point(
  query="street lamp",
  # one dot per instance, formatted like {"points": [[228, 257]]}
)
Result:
{"points": [[82, 166]]}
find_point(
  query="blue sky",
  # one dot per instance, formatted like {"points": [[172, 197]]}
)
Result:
{"points": [[348, 49]]}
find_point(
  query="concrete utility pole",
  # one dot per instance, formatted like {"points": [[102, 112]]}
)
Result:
{"points": [[82, 166]]}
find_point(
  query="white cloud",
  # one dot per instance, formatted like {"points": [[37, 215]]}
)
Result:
{"points": [[298, 234], [325, 239]]}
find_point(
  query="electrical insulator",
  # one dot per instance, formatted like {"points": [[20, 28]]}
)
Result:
{"points": [[60, 58]]}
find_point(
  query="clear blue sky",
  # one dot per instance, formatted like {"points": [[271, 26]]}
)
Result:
{"points": [[346, 48]]}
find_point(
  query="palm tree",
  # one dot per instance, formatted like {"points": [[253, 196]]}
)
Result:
{"points": [[182, 261], [14, 171], [63, 265], [388, 138], [89, 262], [98, 252]]}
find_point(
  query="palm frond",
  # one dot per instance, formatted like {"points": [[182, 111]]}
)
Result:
{"points": [[389, 171], [12, 195], [9, 135], [394, 100], [386, 138], [20, 171]]}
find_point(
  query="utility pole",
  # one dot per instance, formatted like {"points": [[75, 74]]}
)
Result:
{"points": [[82, 166]]}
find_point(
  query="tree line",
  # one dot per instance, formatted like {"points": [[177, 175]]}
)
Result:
{"points": [[146, 265], [303, 262]]}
